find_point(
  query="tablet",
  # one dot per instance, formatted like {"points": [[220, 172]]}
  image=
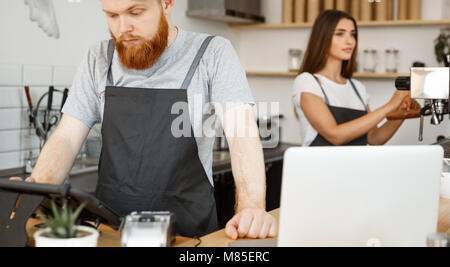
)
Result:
{"points": [[94, 211]]}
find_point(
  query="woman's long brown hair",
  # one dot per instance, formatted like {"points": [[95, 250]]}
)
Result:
{"points": [[320, 42]]}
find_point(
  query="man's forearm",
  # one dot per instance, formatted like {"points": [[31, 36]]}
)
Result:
{"points": [[247, 158], [59, 153], [249, 173], [55, 160]]}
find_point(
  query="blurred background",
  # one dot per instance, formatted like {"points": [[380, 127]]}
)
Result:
{"points": [[393, 35]]}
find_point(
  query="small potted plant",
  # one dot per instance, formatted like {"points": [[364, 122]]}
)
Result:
{"points": [[442, 46], [63, 230]]}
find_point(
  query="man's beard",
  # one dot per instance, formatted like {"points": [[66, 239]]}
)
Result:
{"points": [[147, 52]]}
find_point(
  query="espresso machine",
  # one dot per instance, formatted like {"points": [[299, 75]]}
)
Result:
{"points": [[432, 85]]}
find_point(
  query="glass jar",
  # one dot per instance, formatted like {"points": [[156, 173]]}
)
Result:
{"points": [[295, 59], [392, 60], [370, 60]]}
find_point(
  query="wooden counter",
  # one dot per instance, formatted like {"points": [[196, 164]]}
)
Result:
{"points": [[111, 238]]}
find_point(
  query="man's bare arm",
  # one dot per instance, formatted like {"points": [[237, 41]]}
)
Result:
{"points": [[247, 161], [58, 155]]}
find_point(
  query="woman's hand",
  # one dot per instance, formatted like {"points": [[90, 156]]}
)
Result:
{"points": [[400, 99], [409, 109]]}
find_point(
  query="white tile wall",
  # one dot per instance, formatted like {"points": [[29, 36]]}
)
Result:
{"points": [[11, 160], [10, 74], [16, 137], [63, 75], [17, 159], [11, 97], [37, 74], [11, 118]]}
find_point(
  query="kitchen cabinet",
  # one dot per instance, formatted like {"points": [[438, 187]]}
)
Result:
{"points": [[225, 191], [225, 187]]}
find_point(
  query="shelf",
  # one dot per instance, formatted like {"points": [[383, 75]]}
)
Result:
{"points": [[392, 23], [295, 74]]}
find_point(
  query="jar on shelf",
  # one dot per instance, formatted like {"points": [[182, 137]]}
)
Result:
{"points": [[295, 59], [370, 60], [392, 60]]}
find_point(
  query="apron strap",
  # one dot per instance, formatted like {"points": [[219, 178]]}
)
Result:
{"points": [[357, 93], [196, 62], [323, 91], [111, 48], [354, 89]]}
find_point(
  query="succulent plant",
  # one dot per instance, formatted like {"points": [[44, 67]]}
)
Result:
{"points": [[64, 220]]}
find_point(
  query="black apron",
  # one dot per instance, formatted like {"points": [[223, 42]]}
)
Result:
{"points": [[342, 115], [143, 167]]}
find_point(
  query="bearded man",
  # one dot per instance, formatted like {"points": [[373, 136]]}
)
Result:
{"points": [[131, 85]]}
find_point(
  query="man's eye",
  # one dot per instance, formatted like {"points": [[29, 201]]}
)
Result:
{"points": [[112, 15], [136, 13]]}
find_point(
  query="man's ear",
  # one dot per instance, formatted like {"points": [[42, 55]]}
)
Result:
{"points": [[167, 6]]}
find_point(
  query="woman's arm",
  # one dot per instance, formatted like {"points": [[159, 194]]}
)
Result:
{"points": [[320, 117], [380, 136]]}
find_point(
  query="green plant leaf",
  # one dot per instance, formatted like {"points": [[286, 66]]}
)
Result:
{"points": [[78, 211], [55, 211], [442, 46], [63, 222]]}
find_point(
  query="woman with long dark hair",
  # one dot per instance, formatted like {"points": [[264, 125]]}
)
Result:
{"points": [[332, 107]]}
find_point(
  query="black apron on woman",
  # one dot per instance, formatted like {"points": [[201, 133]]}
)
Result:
{"points": [[143, 167], [342, 115]]}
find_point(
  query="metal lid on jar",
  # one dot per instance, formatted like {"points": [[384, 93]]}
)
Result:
{"points": [[295, 52], [392, 50]]}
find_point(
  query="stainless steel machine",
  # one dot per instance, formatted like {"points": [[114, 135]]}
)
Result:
{"points": [[433, 86]]}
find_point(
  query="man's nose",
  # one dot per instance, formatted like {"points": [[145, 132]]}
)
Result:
{"points": [[125, 25]]}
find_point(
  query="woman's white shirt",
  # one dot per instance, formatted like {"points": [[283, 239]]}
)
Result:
{"points": [[339, 95]]}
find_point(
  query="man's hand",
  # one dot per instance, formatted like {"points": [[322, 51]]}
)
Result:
{"points": [[18, 179], [252, 223]]}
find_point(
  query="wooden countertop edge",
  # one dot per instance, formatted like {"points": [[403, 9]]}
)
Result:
{"points": [[110, 238], [216, 239]]}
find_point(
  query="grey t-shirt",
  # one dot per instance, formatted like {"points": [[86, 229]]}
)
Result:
{"points": [[218, 84]]}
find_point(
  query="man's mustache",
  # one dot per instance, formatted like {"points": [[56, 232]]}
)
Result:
{"points": [[129, 37]]}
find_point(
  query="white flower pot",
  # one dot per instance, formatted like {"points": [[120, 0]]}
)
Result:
{"points": [[89, 240]]}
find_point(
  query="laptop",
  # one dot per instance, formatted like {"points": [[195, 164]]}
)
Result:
{"points": [[360, 196]]}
